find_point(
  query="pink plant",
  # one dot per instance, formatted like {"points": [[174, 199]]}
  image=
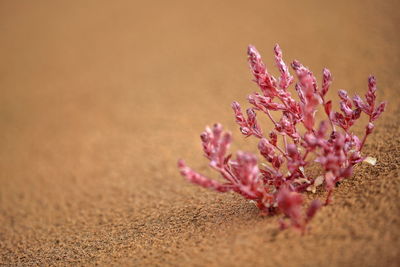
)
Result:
{"points": [[276, 187]]}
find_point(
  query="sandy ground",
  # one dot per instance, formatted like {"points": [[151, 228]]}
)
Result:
{"points": [[98, 100]]}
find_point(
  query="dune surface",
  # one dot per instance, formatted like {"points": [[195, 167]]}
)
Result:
{"points": [[99, 99]]}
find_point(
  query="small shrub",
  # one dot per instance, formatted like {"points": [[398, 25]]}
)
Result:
{"points": [[276, 187]]}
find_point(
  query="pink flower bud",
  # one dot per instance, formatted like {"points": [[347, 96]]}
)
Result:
{"points": [[359, 103], [240, 120], [372, 84], [273, 138], [266, 149], [244, 130], [253, 53], [252, 123], [265, 81], [343, 95], [251, 115], [356, 114], [204, 137], [370, 127], [217, 130], [300, 93], [370, 96], [346, 109], [326, 82], [286, 79], [379, 110], [235, 106]]}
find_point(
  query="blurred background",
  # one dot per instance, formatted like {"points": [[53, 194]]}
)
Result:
{"points": [[98, 100]]}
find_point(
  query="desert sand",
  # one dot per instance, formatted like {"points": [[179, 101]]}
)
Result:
{"points": [[99, 99]]}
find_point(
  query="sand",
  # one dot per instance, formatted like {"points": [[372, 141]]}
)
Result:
{"points": [[99, 99]]}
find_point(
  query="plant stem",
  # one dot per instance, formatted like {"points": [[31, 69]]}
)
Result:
{"points": [[285, 142]]}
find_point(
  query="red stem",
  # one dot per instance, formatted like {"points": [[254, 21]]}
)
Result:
{"points": [[285, 142], [363, 140], [365, 135], [270, 117]]}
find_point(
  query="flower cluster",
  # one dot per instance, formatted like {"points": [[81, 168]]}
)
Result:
{"points": [[276, 186]]}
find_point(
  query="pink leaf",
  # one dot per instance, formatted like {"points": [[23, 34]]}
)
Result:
{"points": [[286, 79]]}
